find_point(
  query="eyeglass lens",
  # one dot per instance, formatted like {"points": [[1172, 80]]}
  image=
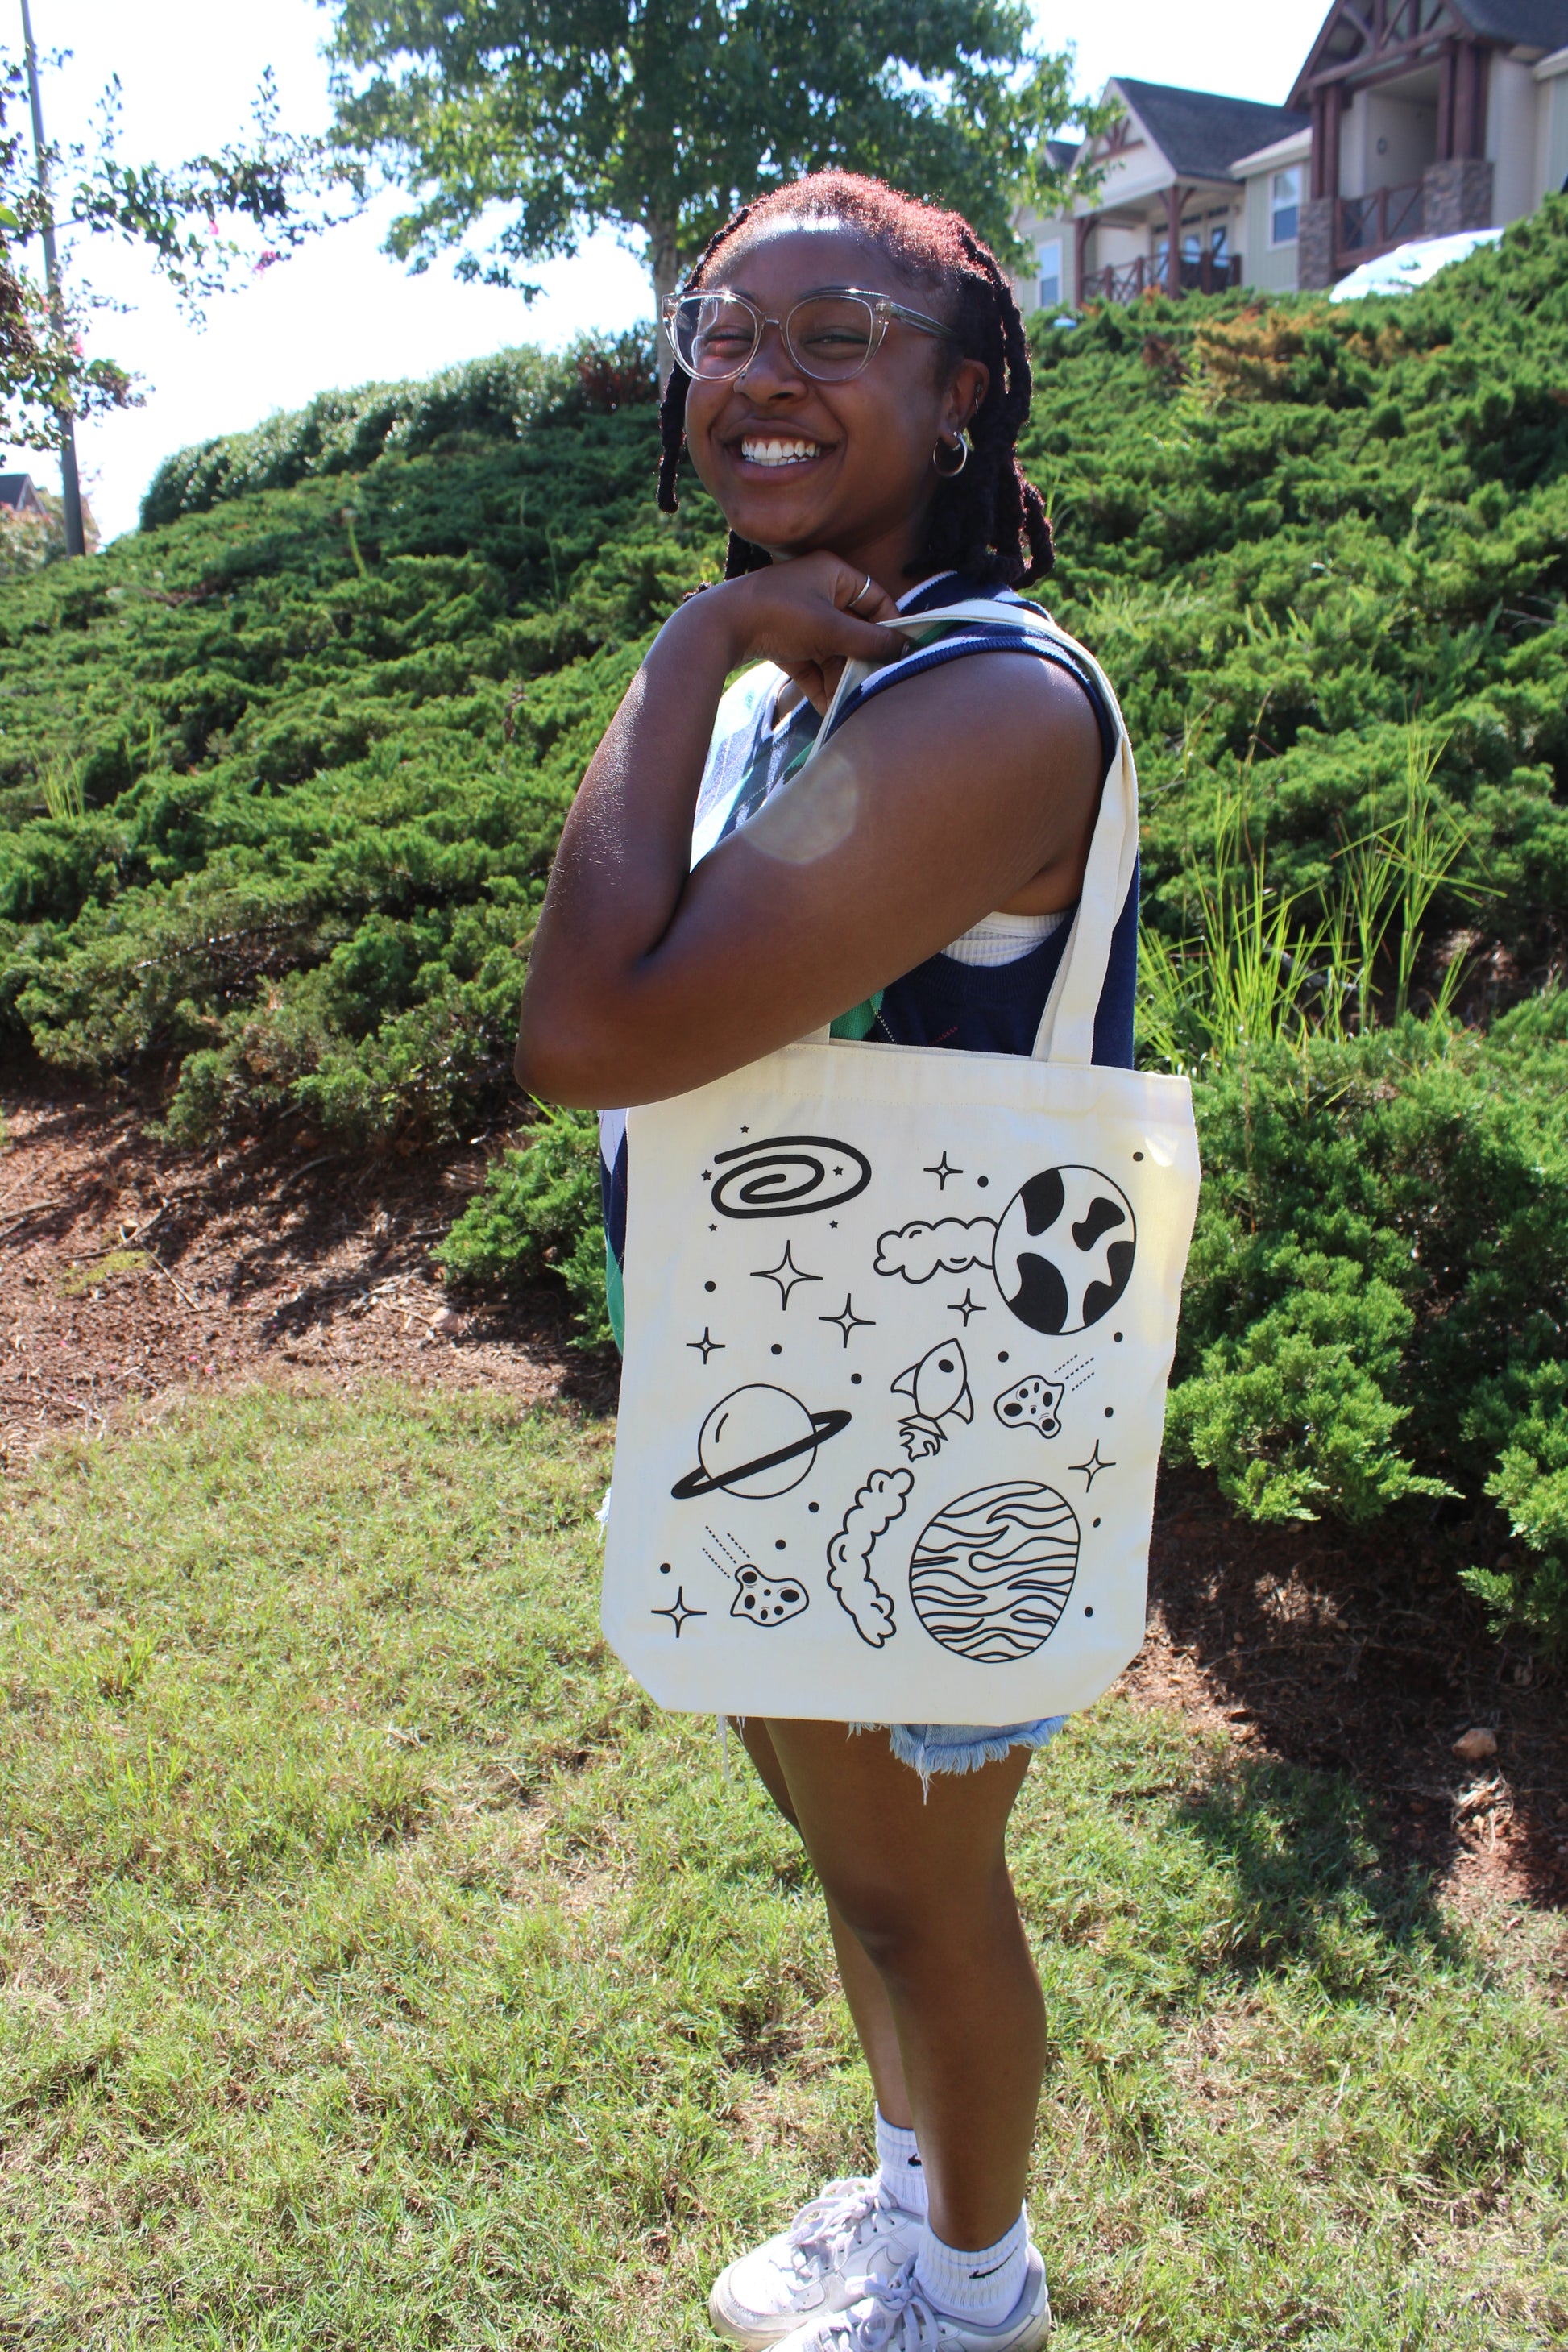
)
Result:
{"points": [[830, 336]]}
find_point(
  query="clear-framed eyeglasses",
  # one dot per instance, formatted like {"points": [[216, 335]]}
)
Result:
{"points": [[830, 336]]}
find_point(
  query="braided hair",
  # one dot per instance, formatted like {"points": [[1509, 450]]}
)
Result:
{"points": [[989, 521]]}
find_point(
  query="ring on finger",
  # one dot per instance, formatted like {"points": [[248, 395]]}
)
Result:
{"points": [[858, 594]]}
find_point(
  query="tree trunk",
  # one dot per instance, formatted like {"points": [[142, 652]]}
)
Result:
{"points": [[664, 269]]}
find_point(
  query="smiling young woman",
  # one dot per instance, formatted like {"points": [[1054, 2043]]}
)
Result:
{"points": [[851, 376]]}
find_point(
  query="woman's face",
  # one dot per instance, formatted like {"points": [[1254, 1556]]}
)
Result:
{"points": [[798, 465]]}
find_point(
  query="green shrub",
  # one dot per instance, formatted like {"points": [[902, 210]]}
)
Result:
{"points": [[1378, 1300], [538, 1209]]}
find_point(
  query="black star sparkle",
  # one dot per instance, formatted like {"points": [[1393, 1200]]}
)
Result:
{"points": [[680, 1615], [786, 1274], [942, 1170], [1092, 1467], [707, 1346], [708, 1175], [848, 1321], [966, 1307]]}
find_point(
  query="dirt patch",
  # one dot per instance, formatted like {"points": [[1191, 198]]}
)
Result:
{"points": [[1364, 1656], [128, 1269], [131, 1270]]}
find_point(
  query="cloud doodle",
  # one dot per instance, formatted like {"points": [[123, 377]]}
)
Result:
{"points": [[876, 1505], [918, 1251]]}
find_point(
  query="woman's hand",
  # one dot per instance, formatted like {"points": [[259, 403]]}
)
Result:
{"points": [[810, 617]]}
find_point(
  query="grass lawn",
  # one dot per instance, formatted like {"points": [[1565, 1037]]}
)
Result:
{"points": [[381, 1969]]}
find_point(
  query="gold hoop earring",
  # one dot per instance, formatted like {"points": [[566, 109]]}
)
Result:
{"points": [[951, 473]]}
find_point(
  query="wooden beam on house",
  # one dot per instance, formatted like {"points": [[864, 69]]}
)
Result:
{"points": [[1083, 229], [1445, 102], [1174, 199]]}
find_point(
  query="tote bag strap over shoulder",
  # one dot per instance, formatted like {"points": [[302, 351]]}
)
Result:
{"points": [[1066, 1026]]}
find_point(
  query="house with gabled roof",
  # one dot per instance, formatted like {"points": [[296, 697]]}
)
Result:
{"points": [[1409, 119], [18, 497]]}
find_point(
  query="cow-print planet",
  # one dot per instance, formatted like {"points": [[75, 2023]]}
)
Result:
{"points": [[1063, 1249]]}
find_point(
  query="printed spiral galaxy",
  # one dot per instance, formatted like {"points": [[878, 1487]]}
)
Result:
{"points": [[991, 1574], [788, 1176]]}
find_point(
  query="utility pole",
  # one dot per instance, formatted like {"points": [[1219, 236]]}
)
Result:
{"points": [[75, 542]]}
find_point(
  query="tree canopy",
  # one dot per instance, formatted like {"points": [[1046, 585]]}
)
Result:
{"points": [[240, 208], [658, 117]]}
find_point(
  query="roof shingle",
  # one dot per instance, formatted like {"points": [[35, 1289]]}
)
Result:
{"points": [[1200, 134]]}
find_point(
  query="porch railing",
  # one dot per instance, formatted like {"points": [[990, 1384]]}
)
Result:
{"points": [[1376, 221], [1125, 281]]}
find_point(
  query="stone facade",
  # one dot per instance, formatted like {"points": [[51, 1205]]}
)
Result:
{"points": [[1315, 248], [1455, 195]]}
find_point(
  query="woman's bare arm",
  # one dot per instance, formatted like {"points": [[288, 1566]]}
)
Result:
{"points": [[930, 807]]}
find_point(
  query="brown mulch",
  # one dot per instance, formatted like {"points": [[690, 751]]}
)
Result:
{"points": [[129, 1269], [279, 1259]]}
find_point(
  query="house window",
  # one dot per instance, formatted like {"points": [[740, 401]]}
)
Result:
{"points": [[1050, 258], [1285, 207], [1219, 240]]}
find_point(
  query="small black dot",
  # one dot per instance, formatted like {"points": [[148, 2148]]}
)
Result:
{"points": [[1089, 1612], [944, 1364], [777, 1350], [1000, 1355], [778, 1543], [814, 1506], [1096, 1523], [1137, 1155], [713, 1285], [854, 1380], [664, 1567], [1109, 1412], [1117, 1336], [982, 1182]]}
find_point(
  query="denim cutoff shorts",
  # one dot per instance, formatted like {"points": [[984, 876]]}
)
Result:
{"points": [[931, 1748]]}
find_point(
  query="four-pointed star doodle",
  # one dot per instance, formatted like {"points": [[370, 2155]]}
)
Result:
{"points": [[941, 1171], [786, 1274], [966, 1307], [707, 1346], [1092, 1467], [679, 1615], [848, 1320]]}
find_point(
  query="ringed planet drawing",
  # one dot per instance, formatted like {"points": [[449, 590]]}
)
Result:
{"points": [[788, 1176], [757, 1442]]}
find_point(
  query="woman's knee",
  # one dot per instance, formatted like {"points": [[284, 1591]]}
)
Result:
{"points": [[908, 1931]]}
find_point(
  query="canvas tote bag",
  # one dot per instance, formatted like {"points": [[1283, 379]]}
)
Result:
{"points": [[899, 1324]]}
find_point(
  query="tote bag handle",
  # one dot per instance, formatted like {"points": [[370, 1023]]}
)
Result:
{"points": [[1067, 1026]]}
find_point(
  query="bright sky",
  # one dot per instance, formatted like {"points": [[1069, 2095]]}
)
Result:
{"points": [[340, 312]]}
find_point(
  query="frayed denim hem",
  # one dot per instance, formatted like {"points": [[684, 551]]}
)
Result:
{"points": [[913, 1745]]}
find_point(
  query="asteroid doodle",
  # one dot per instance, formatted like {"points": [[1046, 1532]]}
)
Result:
{"points": [[881, 1501], [938, 1388], [1032, 1403], [763, 1601], [1065, 1247], [991, 1574], [757, 1442], [950, 1245], [788, 1176]]}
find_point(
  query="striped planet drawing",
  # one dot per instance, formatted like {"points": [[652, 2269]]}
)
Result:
{"points": [[991, 1574]]}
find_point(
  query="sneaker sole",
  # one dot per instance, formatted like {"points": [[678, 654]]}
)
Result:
{"points": [[759, 2337]]}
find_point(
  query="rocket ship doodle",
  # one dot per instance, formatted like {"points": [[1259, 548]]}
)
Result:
{"points": [[938, 1388]]}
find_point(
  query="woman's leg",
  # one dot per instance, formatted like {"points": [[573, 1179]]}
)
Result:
{"points": [[863, 1988], [921, 1886]]}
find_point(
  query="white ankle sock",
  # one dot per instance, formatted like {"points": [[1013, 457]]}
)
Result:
{"points": [[982, 2287], [898, 2168]]}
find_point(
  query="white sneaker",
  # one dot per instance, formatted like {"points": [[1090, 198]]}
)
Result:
{"points": [[851, 2237], [896, 2317]]}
